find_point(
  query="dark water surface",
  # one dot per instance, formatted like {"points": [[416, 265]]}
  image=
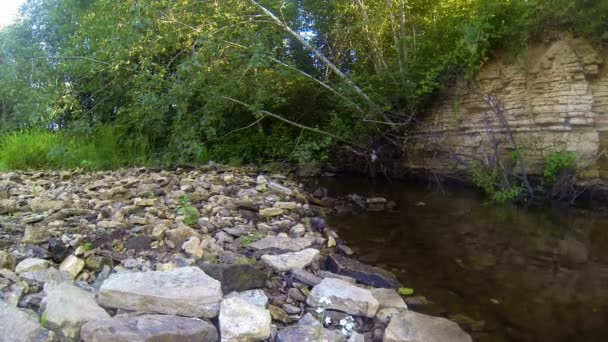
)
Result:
{"points": [[508, 274]]}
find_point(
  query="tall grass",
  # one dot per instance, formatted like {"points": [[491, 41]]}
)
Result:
{"points": [[43, 149]]}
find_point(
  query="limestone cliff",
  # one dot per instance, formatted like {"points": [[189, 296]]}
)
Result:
{"points": [[553, 96]]}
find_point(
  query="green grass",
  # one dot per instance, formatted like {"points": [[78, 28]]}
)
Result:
{"points": [[43, 149]]}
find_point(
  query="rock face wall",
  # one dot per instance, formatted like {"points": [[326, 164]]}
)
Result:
{"points": [[554, 98]]}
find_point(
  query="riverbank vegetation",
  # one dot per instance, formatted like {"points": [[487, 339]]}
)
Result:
{"points": [[103, 84]]}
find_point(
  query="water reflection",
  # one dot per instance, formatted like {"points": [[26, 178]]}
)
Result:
{"points": [[506, 274]]}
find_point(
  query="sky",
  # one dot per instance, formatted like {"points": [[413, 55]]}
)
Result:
{"points": [[8, 11]]}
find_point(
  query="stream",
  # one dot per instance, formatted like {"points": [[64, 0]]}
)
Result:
{"points": [[502, 272]]}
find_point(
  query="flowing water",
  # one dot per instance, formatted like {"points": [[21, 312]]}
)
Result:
{"points": [[504, 273]]}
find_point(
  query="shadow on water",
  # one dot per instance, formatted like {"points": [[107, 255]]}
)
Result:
{"points": [[504, 273]]}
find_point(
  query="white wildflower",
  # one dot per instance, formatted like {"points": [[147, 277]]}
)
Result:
{"points": [[327, 320], [320, 310], [325, 301]]}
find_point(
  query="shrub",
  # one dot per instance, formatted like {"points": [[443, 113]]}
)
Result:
{"points": [[555, 164]]}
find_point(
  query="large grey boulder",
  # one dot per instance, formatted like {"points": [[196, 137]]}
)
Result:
{"points": [[241, 321], [344, 297], [17, 326], [283, 243], [410, 326], [149, 328], [304, 333], [67, 307], [32, 265], [186, 291], [290, 261]]}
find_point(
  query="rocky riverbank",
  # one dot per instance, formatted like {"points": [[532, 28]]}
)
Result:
{"points": [[188, 255]]}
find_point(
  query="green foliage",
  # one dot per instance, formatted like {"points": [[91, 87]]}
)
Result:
{"points": [[508, 195], [87, 246], [484, 178], [557, 163], [251, 238], [43, 149], [488, 180], [44, 319], [161, 76], [186, 209]]}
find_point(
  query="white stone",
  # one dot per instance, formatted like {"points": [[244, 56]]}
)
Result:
{"points": [[283, 243], [345, 297], [298, 230], [17, 326], [270, 212], [290, 261], [186, 291], [241, 321], [389, 298], [255, 297], [409, 326], [32, 265], [193, 247], [67, 308], [286, 205], [72, 265]]}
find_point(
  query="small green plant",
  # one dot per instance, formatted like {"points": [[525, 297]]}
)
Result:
{"points": [[405, 291], [484, 178], [557, 163], [487, 179], [43, 319], [507, 195], [185, 208], [251, 238], [87, 246]]}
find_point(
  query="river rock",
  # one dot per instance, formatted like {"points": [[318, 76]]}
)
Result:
{"points": [[305, 333], [35, 235], [389, 298], [58, 250], [280, 188], [149, 328], [241, 321], [410, 326], [18, 326], [286, 205], [193, 247], [49, 275], [72, 265], [305, 277], [32, 265], [289, 261], [255, 297], [67, 308], [283, 243], [7, 260], [271, 212], [344, 297], [186, 291], [363, 273], [235, 277]]}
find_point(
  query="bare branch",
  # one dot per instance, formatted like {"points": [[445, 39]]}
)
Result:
{"points": [[318, 54], [310, 129]]}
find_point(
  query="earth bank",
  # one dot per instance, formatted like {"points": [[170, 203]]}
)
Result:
{"points": [[188, 255]]}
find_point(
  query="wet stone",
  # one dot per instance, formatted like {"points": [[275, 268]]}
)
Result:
{"points": [[235, 277], [149, 327], [361, 272]]}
